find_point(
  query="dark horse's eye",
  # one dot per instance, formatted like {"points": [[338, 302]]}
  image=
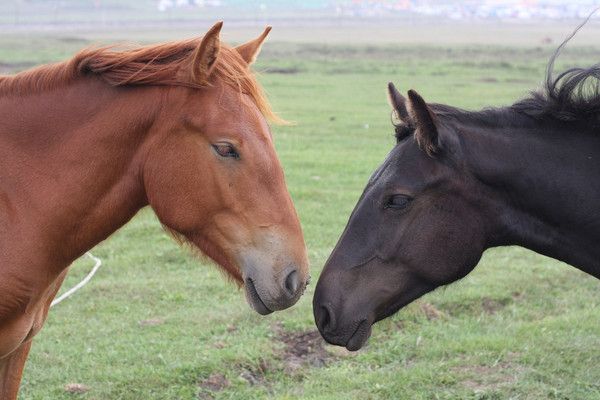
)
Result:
{"points": [[398, 202], [225, 150]]}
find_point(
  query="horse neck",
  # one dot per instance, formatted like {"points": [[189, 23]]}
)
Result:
{"points": [[543, 189], [74, 162]]}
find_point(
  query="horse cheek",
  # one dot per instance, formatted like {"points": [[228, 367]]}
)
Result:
{"points": [[447, 245]]}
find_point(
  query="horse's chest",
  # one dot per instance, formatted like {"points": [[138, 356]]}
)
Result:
{"points": [[15, 324], [23, 309], [14, 333]]}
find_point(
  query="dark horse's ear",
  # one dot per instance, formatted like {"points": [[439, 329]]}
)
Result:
{"points": [[205, 56], [398, 104], [249, 51], [426, 132]]}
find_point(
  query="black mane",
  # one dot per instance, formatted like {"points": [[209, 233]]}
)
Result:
{"points": [[573, 96]]}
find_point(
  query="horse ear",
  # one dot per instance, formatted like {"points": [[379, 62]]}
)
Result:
{"points": [[249, 51], [423, 119], [205, 56], [398, 104]]}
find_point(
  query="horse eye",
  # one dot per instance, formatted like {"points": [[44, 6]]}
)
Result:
{"points": [[398, 202], [225, 150]]}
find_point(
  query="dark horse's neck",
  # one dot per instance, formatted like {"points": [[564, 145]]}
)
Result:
{"points": [[543, 186]]}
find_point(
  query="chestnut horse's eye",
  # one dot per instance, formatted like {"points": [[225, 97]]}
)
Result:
{"points": [[398, 202], [225, 150]]}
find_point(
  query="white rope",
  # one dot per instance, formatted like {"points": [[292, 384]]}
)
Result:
{"points": [[81, 284]]}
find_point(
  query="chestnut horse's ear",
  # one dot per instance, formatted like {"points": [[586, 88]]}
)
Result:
{"points": [[398, 104], [205, 56], [426, 132], [249, 51]]}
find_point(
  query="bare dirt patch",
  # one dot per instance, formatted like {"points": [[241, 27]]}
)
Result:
{"points": [[492, 306], [302, 349], [430, 311], [480, 305], [76, 388], [255, 374], [214, 383], [482, 378]]}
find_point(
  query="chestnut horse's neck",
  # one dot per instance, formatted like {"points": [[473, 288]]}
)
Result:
{"points": [[542, 187], [70, 162]]}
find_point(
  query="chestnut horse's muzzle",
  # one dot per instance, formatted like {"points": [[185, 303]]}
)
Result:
{"points": [[267, 294]]}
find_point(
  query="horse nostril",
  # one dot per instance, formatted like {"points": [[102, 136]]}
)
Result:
{"points": [[326, 321], [292, 283]]}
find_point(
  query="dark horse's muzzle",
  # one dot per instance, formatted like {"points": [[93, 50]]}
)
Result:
{"points": [[348, 301], [339, 322]]}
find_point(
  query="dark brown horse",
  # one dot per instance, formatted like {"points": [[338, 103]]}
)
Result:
{"points": [[86, 143], [459, 182]]}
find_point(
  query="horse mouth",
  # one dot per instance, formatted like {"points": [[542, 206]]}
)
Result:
{"points": [[360, 336], [254, 298]]}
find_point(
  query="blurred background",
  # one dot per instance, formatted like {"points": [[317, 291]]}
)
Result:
{"points": [[112, 12], [352, 20], [158, 323]]}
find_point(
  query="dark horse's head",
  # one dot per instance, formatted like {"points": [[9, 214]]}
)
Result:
{"points": [[415, 227], [458, 182]]}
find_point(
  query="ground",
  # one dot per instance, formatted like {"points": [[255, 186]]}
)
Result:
{"points": [[157, 323]]}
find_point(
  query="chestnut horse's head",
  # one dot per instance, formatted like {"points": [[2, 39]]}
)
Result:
{"points": [[212, 176], [416, 226]]}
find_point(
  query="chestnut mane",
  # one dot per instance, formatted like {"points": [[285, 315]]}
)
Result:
{"points": [[163, 64]]}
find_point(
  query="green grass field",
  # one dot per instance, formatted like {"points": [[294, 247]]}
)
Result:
{"points": [[156, 323]]}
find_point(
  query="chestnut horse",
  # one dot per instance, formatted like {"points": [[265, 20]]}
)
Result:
{"points": [[86, 143]]}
